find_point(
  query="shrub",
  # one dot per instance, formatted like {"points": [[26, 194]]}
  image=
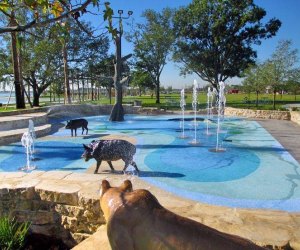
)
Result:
{"points": [[12, 233]]}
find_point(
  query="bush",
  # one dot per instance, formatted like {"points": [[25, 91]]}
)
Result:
{"points": [[12, 233]]}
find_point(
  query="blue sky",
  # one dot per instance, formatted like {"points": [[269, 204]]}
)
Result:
{"points": [[287, 11]]}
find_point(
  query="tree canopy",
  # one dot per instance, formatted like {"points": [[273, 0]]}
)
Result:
{"points": [[152, 43], [215, 38], [42, 12], [281, 67]]}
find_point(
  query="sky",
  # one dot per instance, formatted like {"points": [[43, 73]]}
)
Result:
{"points": [[287, 11]]}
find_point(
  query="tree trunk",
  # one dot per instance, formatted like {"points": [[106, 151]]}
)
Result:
{"points": [[274, 98], [92, 86], [19, 92], [256, 98], [78, 90], [109, 93], [36, 99], [83, 92], [157, 92], [117, 113], [67, 98], [72, 83]]}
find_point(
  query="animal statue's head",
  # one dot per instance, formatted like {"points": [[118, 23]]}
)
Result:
{"points": [[88, 152], [68, 125], [111, 197]]}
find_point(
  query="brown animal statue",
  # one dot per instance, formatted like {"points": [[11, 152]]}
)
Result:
{"points": [[136, 220]]}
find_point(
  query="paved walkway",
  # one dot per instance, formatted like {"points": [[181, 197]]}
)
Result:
{"points": [[286, 132]]}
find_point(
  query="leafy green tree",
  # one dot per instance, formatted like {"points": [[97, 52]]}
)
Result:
{"points": [[215, 38], [254, 81], [142, 80], [293, 87], [40, 13], [102, 73], [153, 41], [41, 61], [281, 67], [43, 12]]}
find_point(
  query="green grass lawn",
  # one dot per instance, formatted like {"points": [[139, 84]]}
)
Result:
{"points": [[171, 101]]}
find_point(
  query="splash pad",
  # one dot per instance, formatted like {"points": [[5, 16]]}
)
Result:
{"points": [[255, 171]]}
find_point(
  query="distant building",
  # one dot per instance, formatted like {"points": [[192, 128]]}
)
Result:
{"points": [[233, 91]]}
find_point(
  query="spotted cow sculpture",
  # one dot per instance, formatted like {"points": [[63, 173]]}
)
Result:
{"points": [[110, 150]]}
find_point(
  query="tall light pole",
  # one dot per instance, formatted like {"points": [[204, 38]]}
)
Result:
{"points": [[117, 113], [120, 17]]}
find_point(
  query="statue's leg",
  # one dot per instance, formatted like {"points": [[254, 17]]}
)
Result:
{"points": [[110, 165], [97, 166], [134, 165]]}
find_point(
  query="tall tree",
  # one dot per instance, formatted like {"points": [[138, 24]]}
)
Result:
{"points": [[101, 72], [42, 12], [281, 67], [254, 80], [214, 37], [152, 43], [142, 80]]}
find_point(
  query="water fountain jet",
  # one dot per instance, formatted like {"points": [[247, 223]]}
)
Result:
{"points": [[221, 108], [182, 106], [194, 104], [209, 109], [28, 141], [31, 131]]}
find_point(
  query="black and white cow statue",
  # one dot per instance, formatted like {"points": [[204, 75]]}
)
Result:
{"points": [[110, 150]]}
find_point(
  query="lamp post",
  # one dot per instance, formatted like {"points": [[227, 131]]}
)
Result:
{"points": [[119, 40], [117, 113]]}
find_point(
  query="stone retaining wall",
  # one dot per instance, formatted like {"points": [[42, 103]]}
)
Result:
{"points": [[57, 203], [295, 116], [77, 110], [262, 114]]}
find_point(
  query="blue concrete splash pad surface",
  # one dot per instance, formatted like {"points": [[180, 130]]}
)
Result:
{"points": [[254, 172]]}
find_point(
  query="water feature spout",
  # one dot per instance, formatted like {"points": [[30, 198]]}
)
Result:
{"points": [[194, 105], [27, 141], [221, 109], [31, 131], [209, 108], [182, 106]]}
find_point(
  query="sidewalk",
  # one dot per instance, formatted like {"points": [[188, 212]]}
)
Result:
{"points": [[286, 132]]}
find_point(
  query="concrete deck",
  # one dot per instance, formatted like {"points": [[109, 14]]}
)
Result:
{"points": [[286, 132]]}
